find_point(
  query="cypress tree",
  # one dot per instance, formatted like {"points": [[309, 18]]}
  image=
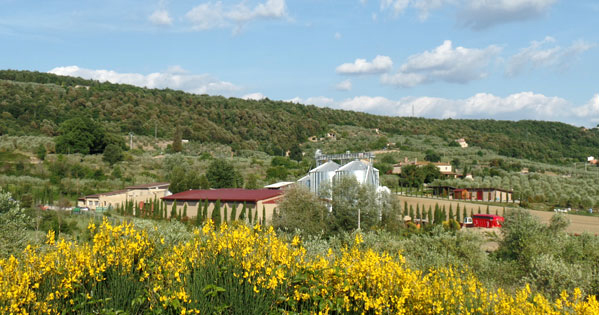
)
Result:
{"points": [[199, 213], [243, 210], [250, 212], [496, 211], [216, 213], [488, 212], [417, 209], [411, 213], [205, 214], [185, 210], [233, 212], [429, 215], [457, 213], [444, 214], [479, 210], [164, 212], [225, 217], [450, 212], [405, 208], [157, 212], [263, 215], [174, 210]]}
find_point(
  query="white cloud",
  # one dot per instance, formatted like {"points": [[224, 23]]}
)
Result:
{"points": [[174, 78], [517, 106], [524, 105], [379, 64], [254, 96], [160, 17], [444, 63], [211, 15], [545, 54], [337, 35], [344, 85], [481, 14], [590, 109], [397, 6], [475, 14]]}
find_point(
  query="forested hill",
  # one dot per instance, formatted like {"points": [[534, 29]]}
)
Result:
{"points": [[37, 103]]}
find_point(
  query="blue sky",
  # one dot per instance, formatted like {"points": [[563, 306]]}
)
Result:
{"points": [[500, 59]]}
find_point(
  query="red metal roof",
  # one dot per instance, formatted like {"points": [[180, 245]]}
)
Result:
{"points": [[226, 194]]}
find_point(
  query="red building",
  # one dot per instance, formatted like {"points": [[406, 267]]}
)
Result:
{"points": [[487, 220]]}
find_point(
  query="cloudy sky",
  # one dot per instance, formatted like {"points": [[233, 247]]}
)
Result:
{"points": [[500, 59]]}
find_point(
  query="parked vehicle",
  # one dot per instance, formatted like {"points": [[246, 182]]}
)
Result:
{"points": [[467, 222]]}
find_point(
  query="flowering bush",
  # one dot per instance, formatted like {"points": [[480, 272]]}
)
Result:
{"points": [[243, 269]]}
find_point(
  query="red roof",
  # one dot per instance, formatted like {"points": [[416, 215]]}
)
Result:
{"points": [[226, 194]]}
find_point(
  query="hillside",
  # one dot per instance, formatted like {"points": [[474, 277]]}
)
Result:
{"points": [[33, 103]]}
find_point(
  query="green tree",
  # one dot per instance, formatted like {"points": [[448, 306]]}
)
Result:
{"points": [[200, 213], [234, 212], [112, 154], [250, 218], [251, 182], [350, 202], [429, 173], [185, 211], [174, 210], [277, 173], [295, 153], [178, 140], [243, 214], [216, 217], [222, 174], [83, 135], [432, 156], [182, 179], [41, 152], [14, 222]]}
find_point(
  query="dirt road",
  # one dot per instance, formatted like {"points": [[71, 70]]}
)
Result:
{"points": [[578, 223]]}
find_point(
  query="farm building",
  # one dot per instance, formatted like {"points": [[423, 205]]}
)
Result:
{"points": [[255, 200], [136, 193], [487, 220], [462, 142], [474, 194], [364, 172], [446, 169], [326, 173]]}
